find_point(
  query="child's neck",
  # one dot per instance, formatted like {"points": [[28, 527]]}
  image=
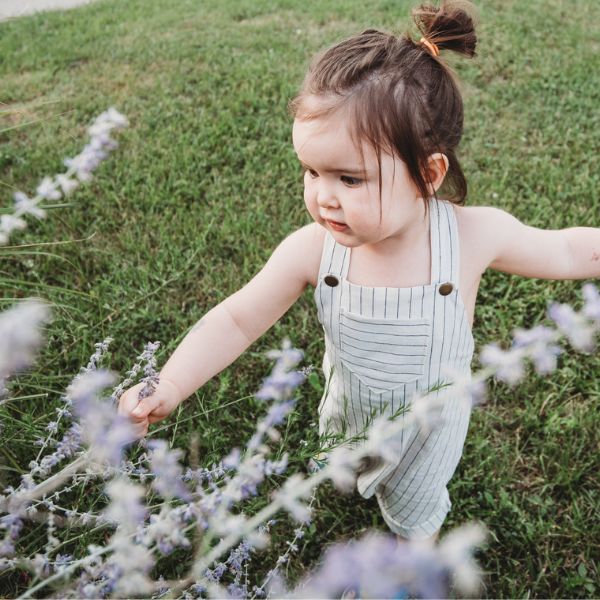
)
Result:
{"points": [[403, 260], [411, 236]]}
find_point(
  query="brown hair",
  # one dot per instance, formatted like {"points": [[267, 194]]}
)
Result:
{"points": [[402, 99]]}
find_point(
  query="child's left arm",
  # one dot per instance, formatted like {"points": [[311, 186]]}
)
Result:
{"points": [[513, 247]]}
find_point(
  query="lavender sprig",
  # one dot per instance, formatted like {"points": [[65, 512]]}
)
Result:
{"points": [[81, 166], [150, 379], [20, 338], [145, 363], [377, 566], [579, 328], [72, 438]]}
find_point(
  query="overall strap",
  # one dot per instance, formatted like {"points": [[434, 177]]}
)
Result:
{"points": [[335, 258], [444, 242]]}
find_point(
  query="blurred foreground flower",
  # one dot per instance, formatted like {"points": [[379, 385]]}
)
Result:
{"points": [[378, 566], [80, 169], [20, 337], [106, 432], [155, 508], [575, 326]]}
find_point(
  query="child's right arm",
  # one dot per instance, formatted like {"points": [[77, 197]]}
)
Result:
{"points": [[230, 327]]}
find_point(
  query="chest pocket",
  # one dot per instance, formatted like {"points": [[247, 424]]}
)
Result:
{"points": [[384, 353]]}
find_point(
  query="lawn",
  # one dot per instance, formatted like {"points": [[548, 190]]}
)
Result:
{"points": [[205, 184]]}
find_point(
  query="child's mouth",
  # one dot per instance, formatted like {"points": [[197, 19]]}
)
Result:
{"points": [[337, 226]]}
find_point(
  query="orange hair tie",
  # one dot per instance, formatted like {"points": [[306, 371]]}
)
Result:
{"points": [[430, 46]]}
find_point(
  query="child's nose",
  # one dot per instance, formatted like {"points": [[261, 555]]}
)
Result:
{"points": [[326, 197]]}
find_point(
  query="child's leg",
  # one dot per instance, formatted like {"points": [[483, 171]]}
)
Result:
{"points": [[433, 538]]}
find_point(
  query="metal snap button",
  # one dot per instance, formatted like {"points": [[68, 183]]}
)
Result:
{"points": [[331, 280], [446, 288]]}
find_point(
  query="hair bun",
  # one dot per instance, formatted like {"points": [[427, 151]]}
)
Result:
{"points": [[449, 26]]}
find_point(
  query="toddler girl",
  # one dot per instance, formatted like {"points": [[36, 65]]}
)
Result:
{"points": [[395, 269]]}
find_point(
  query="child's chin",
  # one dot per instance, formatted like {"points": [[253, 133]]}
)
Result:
{"points": [[343, 239]]}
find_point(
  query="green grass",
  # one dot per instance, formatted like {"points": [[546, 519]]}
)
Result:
{"points": [[205, 184]]}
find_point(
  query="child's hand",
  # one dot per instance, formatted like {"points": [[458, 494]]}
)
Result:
{"points": [[163, 401]]}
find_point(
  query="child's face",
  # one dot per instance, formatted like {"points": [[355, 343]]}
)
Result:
{"points": [[342, 196]]}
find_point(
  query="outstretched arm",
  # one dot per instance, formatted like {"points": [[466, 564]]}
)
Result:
{"points": [[230, 327], [516, 248], [584, 252]]}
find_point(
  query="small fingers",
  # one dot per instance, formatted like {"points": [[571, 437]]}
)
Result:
{"points": [[129, 400], [144, 408]]}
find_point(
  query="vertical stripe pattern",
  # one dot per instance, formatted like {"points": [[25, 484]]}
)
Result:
{"points": [[383, 346]]}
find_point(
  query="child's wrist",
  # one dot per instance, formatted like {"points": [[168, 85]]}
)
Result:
{"points": [[178, 393]]}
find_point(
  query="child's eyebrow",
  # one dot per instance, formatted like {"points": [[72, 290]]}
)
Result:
{"points": [[348, 171]]}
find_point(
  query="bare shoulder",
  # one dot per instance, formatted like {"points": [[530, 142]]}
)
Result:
{"points": [[303, 248], [479, 229]]}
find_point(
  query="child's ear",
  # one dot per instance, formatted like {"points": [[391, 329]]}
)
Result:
{"points": [[435, 171]]}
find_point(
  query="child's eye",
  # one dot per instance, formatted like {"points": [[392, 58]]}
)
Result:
{"points": [[351, 181], [312, 173]]}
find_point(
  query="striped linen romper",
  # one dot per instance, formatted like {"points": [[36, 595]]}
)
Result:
{"points": [[383, 345]]}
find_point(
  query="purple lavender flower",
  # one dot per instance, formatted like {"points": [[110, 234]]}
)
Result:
{"points": [[426, 409], [126, 507], [471, 389], [166, 529], [150, 379], [47, 189], [12, 524], [106, 432], [61, 561], [52, 427], [343, 464], [456, 552], [278, 412], [216, 573], [276, 467], [383, 435], [279, 385], [81, 165], [234, 565], [592, 302], [101, 348], [288, 496], [97, 150], [126, 572], [575, 326], [8, 224], [232, 460], [540, 347], [67, 185], [146, 362], [20, 336], [250, 474], [198, 589], [70, 443], [72, 439], [508, 366], [377, 566], [27, 206], [168, 472], [283, 380], [287, 358], [525, 338]]}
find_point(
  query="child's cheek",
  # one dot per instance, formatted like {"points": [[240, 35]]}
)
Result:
{"points": [[311, 204], [309, 189]]}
